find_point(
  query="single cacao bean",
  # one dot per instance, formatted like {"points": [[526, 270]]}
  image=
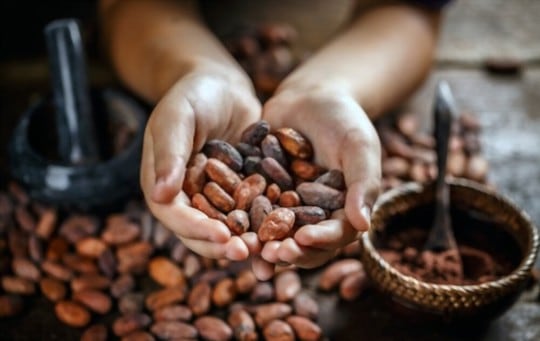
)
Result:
{"points": [[277, 225], [287, 285], [219, 172], [255, 133], [173, 313], [127, 324], [52, 289], [164, 297], [304, 328], [277, 173], [166, 273], [97, 332], [271, 148], [294, 143], [260, 208], [224, 152], [213, 329], [169, 330], [94, 300], [218, 197], [238, 221], [317, 194], [200, 202], [251, 187], [195, 177], [268, 312], [72, 313], [278, 330], [335, 272], [199, 299]]}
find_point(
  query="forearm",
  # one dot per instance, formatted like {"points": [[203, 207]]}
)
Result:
{"points": [[379, 59], [153, 43]]}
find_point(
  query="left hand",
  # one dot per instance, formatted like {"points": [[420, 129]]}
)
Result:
{"points": [[343, 138]]}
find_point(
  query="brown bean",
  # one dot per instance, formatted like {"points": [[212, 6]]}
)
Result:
{"points": [[418, 172], [255, 133], [251, 165], [395, 166], [287, 284], [289, 199], [195, 177], [24, 268], [120, 230], [395, 144], [10, 305], [164, 297], [107, 263], [305, 305], [130, 303], [477, 168], [90, 281], [18, 285], [46, 223], [456, 163], [129, 323], [270, 147], [308, 215], [278, 330], [260, 208], [242, 325], [91, 247], [57, 247], [172, 313], [306, 170], [168, 330], [353, 285], [224, 292], [333, 178], [304, 328], [273, 192], [165, 272], [277, 225], [97, 332], [133, 258], [277, 173], [199, 299], [192, 265], [224, 152], [294, 143], [245, 281], [77, 227], [316, 194], [271, 311], [18, 243], [200, 202], [80, 264], [248, 150], [335, 272], [218, 197], [24, 219], [35, 249], [213, 329], [238, 221], [72, 314], [407, 124], [138, 335], [251, 187], [122, 285], [93, 300], [52, 289], [57, 271], [222, 174], [263, 292]]}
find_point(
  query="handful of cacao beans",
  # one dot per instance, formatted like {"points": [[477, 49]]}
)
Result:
{"points": [[266, 184]]}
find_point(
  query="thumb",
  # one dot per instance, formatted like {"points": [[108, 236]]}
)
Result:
{"points": [[361, 163], [172, 128]]}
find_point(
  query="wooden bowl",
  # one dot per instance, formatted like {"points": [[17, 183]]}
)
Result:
{"points": [[450, 303]]}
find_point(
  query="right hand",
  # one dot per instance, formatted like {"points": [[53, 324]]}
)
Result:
{"points": [[199, 107]]}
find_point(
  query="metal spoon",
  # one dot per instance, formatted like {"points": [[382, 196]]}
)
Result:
{"points": [[441, 237]]}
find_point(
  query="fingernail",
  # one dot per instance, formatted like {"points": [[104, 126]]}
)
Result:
{"points": [[365, 211]]}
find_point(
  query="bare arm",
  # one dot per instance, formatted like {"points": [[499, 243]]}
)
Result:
{"points": [[153, 43], [380, 58]]}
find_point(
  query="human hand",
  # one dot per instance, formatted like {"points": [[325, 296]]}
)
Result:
{"points": [[343, 138], [199, 107]]}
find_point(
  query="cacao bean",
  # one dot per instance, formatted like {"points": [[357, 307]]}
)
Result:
{"points": [[166, 273], [218, 197], [199, 299], [72, 313], [287, 285], [168, 330], [195, 177], [52, 289], [278, 330], [277, 225], [317, 194], [238, 221], [224, 152], [213, 329], [294, 143], [93, 300], [97, 332], [220, 173], [271, 148]]}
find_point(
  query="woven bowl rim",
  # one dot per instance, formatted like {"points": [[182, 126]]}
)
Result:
{"points": [[521, 272]]}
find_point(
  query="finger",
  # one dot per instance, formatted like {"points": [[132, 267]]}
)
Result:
{"points": [[302, 256], [269, 251], [237, 250], [172, 127], [362, 171], [148, 175], [327, 235], [262, 269], [252, 242], [234, 249], [188, 222]]}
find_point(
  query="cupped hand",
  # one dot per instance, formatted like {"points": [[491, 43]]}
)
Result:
{"points": [[343, 138], [199, 107]]}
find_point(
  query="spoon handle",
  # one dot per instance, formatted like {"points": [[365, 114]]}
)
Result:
{"points": [[441, 236], [76, 136]]}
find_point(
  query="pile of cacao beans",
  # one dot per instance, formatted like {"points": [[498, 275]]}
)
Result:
{"points": [[265, 53], [266, 184]]}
